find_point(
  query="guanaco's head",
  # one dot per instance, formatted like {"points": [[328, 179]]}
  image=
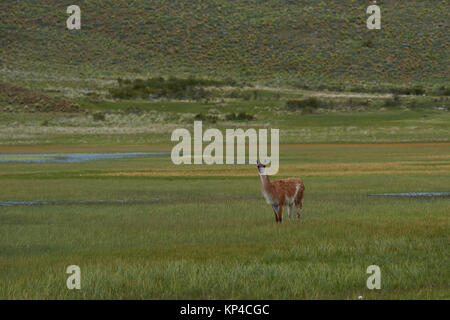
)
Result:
{"points": [[261, 167]]}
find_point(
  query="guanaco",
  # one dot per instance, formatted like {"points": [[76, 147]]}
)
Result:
{"points": [[281, 192]]}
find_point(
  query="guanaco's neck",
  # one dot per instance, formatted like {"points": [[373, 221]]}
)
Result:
{"points": [[265, 182]]}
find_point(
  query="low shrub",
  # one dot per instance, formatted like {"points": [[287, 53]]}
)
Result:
{"points": [[208, 118], [99, 116], [305, 104], [442, 91], [417, 90], [241, 116], [393, 102], [172, 88]]}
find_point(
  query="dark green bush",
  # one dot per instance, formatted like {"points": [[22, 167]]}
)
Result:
{"points": [[417, 90], [241, 116], [442, 91], [99, 116], [172, 88], [308, 103], [393, 102], [122, 93], [209, 118]]}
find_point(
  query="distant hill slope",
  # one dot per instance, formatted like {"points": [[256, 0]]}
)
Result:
{"points": [[281, 40], [15, 98]]}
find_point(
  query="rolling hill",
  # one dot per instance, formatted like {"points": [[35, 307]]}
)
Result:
{"points": [[304, 42]]}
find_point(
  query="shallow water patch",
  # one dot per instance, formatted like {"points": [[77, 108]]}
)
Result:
{"points": [[69, 202], [413, 194], [72, 158], [12, 203]]}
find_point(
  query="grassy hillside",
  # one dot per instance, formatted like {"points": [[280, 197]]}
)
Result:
{"points": [[304, 42]]}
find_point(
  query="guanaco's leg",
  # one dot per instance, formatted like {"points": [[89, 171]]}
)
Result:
{"points": [[290, 211], [299, 204], [275, 211], [280, 212]]}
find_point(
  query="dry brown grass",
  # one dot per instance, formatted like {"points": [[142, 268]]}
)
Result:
{"points": [[359, 145], [336, 169]]}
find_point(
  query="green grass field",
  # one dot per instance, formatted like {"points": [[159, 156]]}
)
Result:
{"points": [[206, 232]]}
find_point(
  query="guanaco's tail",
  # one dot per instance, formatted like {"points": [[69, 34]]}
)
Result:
{"points": [[302, 188]]}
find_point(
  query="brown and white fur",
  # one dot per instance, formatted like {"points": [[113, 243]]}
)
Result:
{"points": [[282, 192]]}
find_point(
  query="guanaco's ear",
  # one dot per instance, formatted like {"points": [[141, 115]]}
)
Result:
{"points": [[257, 162]]}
